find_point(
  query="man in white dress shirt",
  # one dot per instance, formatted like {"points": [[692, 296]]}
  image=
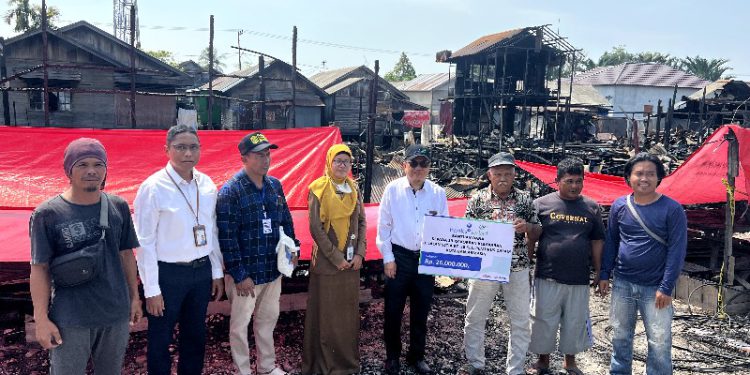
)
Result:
{"points": [[402, 209], [179, 260]]}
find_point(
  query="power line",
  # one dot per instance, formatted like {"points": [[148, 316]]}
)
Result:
{"points": [[271, 36]]}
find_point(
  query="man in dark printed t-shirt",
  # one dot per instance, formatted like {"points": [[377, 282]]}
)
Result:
{"points": [[572, 239], [89, 320]]}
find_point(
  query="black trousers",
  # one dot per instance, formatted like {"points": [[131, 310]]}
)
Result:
{"points": [[186, 291], [419, 289]]}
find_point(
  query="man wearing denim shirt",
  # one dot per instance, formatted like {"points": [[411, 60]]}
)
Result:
{"points": [[646, 256], [251, 207]]}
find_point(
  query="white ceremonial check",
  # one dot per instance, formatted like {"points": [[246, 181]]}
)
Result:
{"points": [[472, 249]]}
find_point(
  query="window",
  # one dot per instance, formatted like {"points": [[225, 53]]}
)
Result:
{"points": [[59, 101], [63, 100], [35, 100]]}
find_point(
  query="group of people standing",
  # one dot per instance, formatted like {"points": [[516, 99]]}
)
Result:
{"points": [[194, 243], [559, 238]]}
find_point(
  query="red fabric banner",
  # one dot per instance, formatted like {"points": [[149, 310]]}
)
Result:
{"points": [[697, 181], [31, 160], [416, 119], [31, 171]]}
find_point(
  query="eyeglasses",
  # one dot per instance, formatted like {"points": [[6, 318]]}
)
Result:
{"points": [[343, 163], [184, 148], [424, 163]]}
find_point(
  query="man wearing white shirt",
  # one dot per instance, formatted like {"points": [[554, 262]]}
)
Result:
{"points": [[179, 260], [402, 209]]}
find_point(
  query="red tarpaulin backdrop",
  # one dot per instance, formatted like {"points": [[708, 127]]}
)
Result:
{"points": [[35, 155], [698, 180], [31, 160]]}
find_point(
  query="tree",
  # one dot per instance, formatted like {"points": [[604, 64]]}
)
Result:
{"points": [[165, 56], [710, 70], [219, 65], [23, 16], [619, 55], [657, 57], [403, 71], [582, 64]]}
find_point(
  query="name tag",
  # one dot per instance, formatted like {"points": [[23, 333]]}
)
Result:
{"points": [[349, 253], [267, 226], [199, 235]]}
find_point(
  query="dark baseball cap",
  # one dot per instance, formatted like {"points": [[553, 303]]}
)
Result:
{"points": [[254, 142], [414, 151], [501, 158]]}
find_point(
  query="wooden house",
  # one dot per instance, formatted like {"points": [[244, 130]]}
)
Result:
{"points": [[260, 97], [500, 76], [347, 104], [88, 77]]}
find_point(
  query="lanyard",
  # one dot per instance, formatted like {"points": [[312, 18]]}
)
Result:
{"points": [[197, 196]]}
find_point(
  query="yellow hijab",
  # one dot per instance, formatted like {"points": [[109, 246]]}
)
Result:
{"points": [[334, 211]]}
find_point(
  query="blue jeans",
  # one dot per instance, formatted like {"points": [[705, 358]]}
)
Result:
{"points": [[628, 300]]}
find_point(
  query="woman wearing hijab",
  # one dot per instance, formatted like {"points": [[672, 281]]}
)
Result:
{"points": [[337, 225]]}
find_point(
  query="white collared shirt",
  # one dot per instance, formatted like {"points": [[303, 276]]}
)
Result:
{"points": [[401, 214], [164, 224]]}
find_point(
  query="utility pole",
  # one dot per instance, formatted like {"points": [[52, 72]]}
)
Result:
{"points": [[371, 134], [210, 106], [3, 75], [132, 67], [239, 51], [261, 71], [45, 62], [294, 77]]}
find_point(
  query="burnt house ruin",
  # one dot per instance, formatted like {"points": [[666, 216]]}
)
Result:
{"points": [[722, 102], [501, 81]]}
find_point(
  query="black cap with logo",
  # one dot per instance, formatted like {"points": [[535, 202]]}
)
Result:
{"points": [[254, 142]]}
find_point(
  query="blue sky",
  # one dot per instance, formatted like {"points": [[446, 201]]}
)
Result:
{"points": [[423, 27]]}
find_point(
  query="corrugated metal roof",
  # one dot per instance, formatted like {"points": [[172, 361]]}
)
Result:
{"points": [[224, 84], [326, 79], [423, 82], [715, 89], [639, 74], [486, 42], [343, 84]]}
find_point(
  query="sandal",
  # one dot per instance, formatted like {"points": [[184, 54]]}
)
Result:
{"points": [[573, 371], [536, 370]]}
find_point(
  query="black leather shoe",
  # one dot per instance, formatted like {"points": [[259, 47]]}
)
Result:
{"points": [[392, 367], [421, 367]]}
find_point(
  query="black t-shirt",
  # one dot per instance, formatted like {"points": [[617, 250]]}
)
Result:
{"points": [[59, 227], [564, 250]]}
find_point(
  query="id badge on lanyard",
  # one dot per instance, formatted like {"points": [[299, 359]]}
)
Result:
{"points": [[266, 222], [199, 235], [267, 226]]}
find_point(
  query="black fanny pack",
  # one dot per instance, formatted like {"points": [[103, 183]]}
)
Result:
{"points": [[81, 266]]}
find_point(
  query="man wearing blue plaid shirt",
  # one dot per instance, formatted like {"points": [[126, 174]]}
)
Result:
{"points": [[250, 209]]}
